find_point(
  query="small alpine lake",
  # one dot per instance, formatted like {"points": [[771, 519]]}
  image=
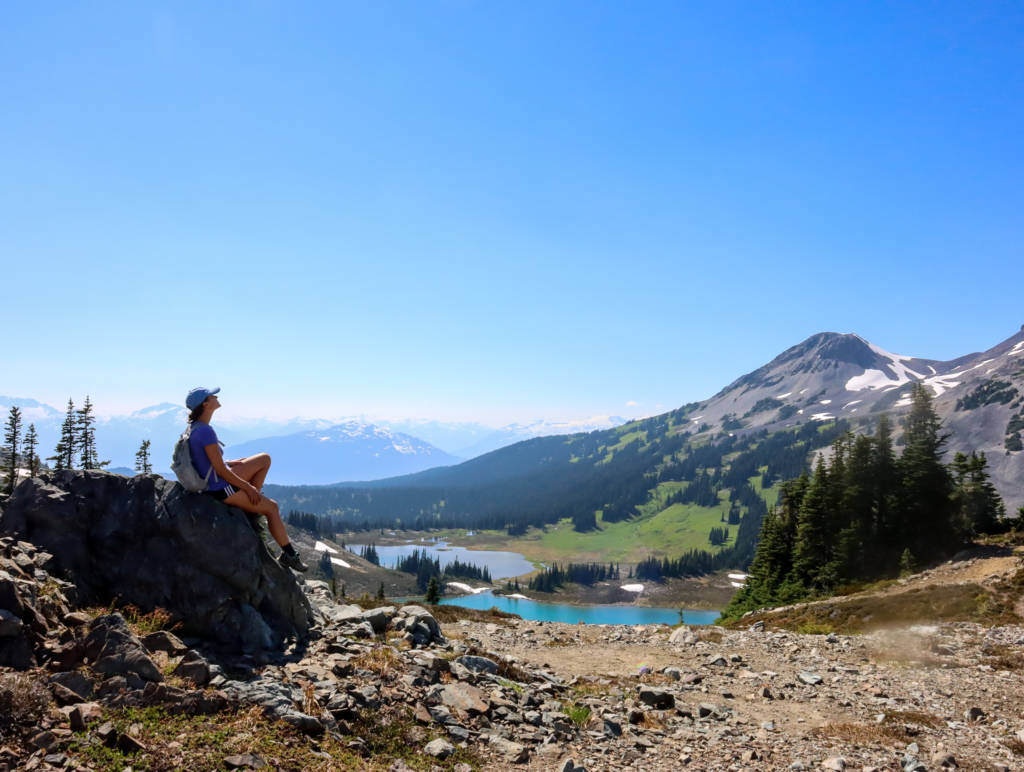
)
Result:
{"points": [[502, 565], [538, 611]]}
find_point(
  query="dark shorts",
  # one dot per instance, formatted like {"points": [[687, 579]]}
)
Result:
{"points": [[222, 494]]}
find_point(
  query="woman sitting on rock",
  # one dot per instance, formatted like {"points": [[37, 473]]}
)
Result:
{"points": [[237, 482]]}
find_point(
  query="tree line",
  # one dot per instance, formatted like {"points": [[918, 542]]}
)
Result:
{"points": [[554, 576], [864, 513], [76, 446], [425, 568]]}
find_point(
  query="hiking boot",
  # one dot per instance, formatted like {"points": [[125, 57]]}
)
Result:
{"points": [[294, 562]]}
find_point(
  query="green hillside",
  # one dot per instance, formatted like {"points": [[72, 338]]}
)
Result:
{"points": [[646, 489]]}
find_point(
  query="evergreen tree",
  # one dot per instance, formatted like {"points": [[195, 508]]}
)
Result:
{"points": [[927, 511], [978, 504], [142, 463], [433, 596], [85, 425], [813, 552], [380, 592], [64, 455], [12, 438], [885, 477], [31, 444], [325, 567]]}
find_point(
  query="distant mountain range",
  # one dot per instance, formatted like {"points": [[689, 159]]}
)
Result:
{"points": [[830, 376], [348, 451], [356, 448]]}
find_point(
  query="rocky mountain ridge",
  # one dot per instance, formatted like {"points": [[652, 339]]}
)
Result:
{"points": [[979, 396]]}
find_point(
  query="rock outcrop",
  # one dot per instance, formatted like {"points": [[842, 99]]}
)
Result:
{"points": [[145, 541]]}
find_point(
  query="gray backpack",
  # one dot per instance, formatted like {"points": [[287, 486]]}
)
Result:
{"points": [[183, 468]]}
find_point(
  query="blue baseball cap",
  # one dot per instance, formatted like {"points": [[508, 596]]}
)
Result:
{"points": [[198, 396]]}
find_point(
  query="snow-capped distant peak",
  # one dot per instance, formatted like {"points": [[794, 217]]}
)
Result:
{"points": [[155, 411]]}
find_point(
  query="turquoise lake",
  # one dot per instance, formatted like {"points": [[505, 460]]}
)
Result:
{"points": [[502, 565], [589, 615]]}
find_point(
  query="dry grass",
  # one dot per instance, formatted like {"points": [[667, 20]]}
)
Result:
{"points": [[896, 727], [141, 622], [708, 633], [863, 613], [382, 660], [596, 689], [1015, 746], [1003, 657], [175, 742], [449, 614], [861, 735], [915, 717], [506, 669]]}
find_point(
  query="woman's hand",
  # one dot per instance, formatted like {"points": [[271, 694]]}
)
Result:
{"points": [[252, 493]]}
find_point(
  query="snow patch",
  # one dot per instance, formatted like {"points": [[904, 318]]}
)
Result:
{"points": [[826, 402], [738, 576], [340, 562], [321, 547], [803, 391], [783, 396], [736, 584], [853, 402], [517, 596], [466, 588], [633, 587], [1018, 348], [822, 417], [876, 379]]}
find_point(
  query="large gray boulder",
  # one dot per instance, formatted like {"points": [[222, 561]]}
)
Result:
{"points": [[146, 541]]}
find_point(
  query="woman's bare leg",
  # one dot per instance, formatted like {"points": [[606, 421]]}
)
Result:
{"points": [[253, 469], [267, 508]]}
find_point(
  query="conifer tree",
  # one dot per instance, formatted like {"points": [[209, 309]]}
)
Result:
{"points": [[326, 567], [12, 438], [31, 459], [380, 592], [142, 463], [433, 596], [885, 477], [977, 502], [64, 454], [814, 547], [85, 424], [926, 484]]}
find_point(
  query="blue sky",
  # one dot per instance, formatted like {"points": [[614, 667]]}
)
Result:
{"points": [[496, 210]]}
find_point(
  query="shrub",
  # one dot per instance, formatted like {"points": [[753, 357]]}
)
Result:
{"points": [[22, 701]]}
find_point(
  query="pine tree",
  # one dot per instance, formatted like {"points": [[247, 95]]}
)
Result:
{"points": [[142, 459], [325, 566], [12, 438], [85, 424], [31, 459], [433, 596], [380, 592], [813, 551], [976, 499], [929, 527], [64, 454]]}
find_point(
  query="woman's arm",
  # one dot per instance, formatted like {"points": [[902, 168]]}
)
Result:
{"points": [[224, 472]]}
